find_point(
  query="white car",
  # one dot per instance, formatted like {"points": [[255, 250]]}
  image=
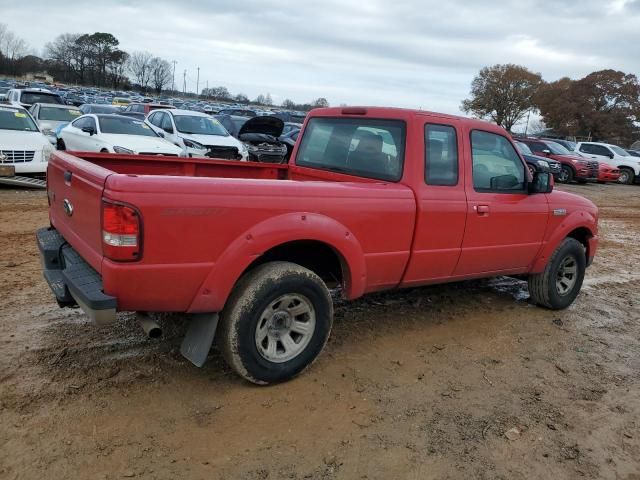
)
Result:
{"points": [[198, 133], [114, 134], [22, 144], [49, 116], [25, 97], [615, 156]]}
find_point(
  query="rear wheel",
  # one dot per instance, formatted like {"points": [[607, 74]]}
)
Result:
{"points": [[566, 174], [558, 286], [276, 322], [626, 176]]}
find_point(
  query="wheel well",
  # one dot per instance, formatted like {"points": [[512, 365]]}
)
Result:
{"points": [[583, 235], [320, 258]]}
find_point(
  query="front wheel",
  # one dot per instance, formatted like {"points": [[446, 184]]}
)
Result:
{"points": [[558, 286], [276, 322], [626, 176], [566, 174], [60, 144]]}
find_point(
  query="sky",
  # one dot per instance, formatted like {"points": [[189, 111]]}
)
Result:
{"points": [[405, 53]]}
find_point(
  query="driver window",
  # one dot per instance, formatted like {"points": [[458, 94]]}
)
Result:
{"points": [[496, 165]]}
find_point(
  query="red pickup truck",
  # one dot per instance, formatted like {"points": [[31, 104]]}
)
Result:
{"points": [[372, 199]]}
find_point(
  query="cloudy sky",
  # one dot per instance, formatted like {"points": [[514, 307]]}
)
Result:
{"points": [[408, 53]]}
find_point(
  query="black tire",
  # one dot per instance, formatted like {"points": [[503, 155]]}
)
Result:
{"points": [[566, 174], [60, 144], [256, 292], [543, 287], [627, 176]]}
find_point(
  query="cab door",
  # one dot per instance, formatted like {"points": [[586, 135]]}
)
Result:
{"points": [[441, 206], [505, 224]]}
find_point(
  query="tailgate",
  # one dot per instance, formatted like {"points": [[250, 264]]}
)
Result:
{"points": [[75, 196]]}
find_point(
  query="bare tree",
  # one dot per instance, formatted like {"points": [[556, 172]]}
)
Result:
{"points": [[140, 68], [160, 73]]}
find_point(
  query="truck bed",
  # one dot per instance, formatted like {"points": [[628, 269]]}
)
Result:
{"points": [[204, 221]]}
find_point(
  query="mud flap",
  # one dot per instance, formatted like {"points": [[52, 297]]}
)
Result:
{"points": [[199, 337]]}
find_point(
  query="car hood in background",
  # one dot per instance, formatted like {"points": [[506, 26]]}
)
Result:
{"points": [[19, 140], [215, 140], [139, 143], [265, 125]]}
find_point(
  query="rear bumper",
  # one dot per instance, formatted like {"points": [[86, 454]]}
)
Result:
{"points": [[72, 280]]}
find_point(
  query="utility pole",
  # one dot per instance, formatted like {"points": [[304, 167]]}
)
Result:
{"points": [[198, 83], [208, 95], [184, 83], [173, 80]]}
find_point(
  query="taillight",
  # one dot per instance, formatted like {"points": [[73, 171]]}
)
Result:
{"points": [[121, 232]]}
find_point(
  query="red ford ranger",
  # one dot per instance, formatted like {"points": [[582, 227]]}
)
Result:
{"points": [[372, 199]]}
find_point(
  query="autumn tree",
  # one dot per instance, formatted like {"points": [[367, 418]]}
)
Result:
{"points": [[503, 93], [603, 105]]}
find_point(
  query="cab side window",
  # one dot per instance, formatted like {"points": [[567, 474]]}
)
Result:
{"points": [[441, 152], [586, 148], [496, 164]]}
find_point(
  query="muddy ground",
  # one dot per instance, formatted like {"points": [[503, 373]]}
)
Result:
{"points": [[458, 381]]}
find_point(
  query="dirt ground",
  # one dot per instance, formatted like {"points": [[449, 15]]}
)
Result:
{"points": [[459, 381]]}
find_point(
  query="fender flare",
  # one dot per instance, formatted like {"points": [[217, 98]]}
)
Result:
{"points": [[578, 219], [275, 231]]}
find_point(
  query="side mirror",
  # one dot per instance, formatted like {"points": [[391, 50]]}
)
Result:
{"points": [[546, 151], [161, 134], [88, 130], [168, 130], [542, 183], [610, 156]]}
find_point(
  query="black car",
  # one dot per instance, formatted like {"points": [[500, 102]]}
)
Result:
{"points": [[289, 139], [261, 136], [233, 123], [538, 164]]}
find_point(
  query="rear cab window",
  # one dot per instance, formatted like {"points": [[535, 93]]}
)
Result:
{"points": [[364, 147], [441, 155]]}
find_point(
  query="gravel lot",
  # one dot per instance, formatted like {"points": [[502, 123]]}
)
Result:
{"points": [[458, 381]]}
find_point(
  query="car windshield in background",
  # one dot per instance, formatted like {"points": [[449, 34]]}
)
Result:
{"points": [[124, 126], [40, 97], [619, 151], [11, 119], [362, 147], [196, 125], [99, 109], [557, 149], [524, 148], [58, 114]]}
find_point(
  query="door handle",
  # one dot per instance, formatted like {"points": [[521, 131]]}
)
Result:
{"points": [[482, 210]]}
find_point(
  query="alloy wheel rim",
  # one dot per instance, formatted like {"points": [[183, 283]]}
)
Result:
{"points": [[285, 328], [624, 177], [567, 275]]}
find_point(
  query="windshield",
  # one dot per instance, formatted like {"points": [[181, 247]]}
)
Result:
{"points": [[557, 149], [99, 109], [40, 97], [15, 120], [524, 148], [199, 125], [125, 126], [619, 151], [58, 114]]}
